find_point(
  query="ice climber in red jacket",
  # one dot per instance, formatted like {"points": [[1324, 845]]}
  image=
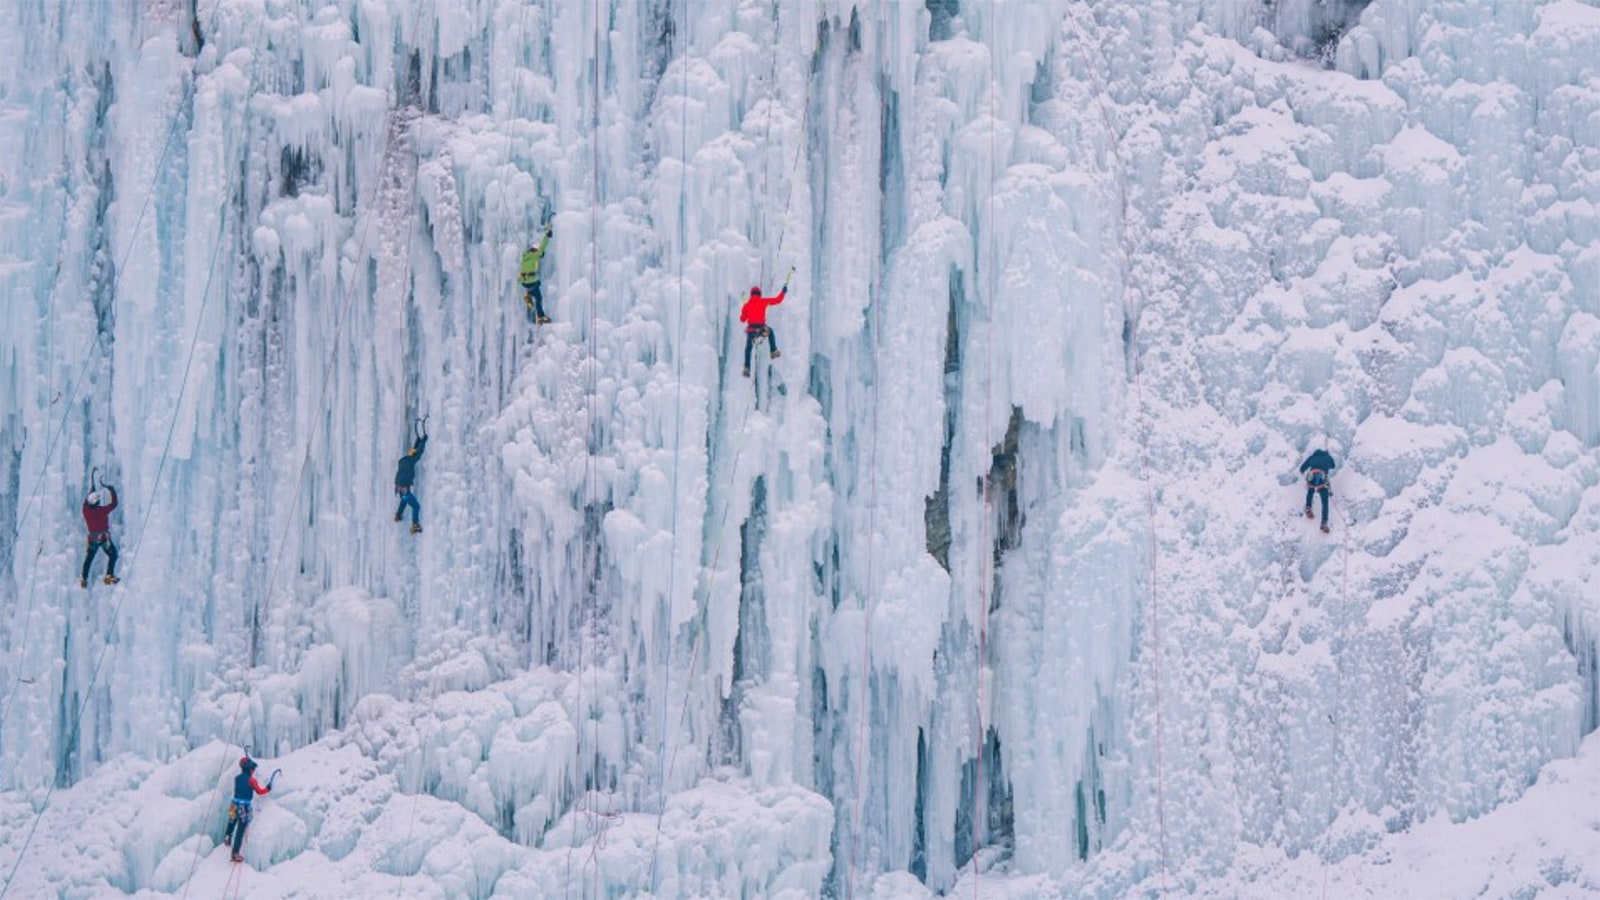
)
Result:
{"points": [[98, 520], [754, 316]]}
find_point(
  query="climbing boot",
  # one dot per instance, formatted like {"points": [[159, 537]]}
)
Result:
{"points": [[111, 579]]}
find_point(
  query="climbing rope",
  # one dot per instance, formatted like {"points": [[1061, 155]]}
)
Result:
{"points": [[710, 573], [591, 474], [801, 140], [1336, 719], [396, 125], [864, 678], [133, 552], [99, 337], [677, 446], [766, 154], [420, 427], [589, 752], [1131, 317], [234, 886], [77, 379], [794, 164], [986, 561], [27, 624], [700, 624], [863, 698]]}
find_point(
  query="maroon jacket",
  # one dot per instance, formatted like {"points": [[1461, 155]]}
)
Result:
{"points": [[98, 518]]}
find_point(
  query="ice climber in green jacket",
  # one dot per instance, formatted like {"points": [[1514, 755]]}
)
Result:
{"points": [[533, 293]]}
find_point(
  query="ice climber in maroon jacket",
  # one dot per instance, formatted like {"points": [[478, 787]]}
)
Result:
{"points": [[98, 519]]}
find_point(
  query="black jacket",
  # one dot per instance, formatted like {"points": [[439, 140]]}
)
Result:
{"points": [[406, 472], [1321, 459]]}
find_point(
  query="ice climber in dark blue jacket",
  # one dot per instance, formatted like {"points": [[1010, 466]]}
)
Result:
{"points": [[405, 474], [1317, 469], [245, 789]]}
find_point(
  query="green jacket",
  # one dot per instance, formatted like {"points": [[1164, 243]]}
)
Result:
{"points": [[531, 260]]}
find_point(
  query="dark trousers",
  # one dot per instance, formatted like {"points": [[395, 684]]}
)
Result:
{"points": [[533, 296], [407, 499], [753, 332], [111, 557], [238, 821], [1324, 492]]}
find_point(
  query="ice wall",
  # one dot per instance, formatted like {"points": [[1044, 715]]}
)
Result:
{"points": [[995, 583], [1368, 262]]}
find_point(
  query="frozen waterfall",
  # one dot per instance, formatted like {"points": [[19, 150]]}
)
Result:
{"points": [[994, 582]]}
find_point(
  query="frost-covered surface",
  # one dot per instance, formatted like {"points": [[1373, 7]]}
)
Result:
{"points": [[911, 624]]}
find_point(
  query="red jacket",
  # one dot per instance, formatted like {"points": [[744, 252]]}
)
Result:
{"points": [[98, 518], [754, 311]]}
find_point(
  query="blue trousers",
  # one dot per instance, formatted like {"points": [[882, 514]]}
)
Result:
{"points": [[1324, 492], [238, 821], [407, 499], [533, 297], [754, 331]]}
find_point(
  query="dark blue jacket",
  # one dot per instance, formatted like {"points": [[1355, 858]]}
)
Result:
{"points": [[1322, 461], [406, 472], [245, 787]]}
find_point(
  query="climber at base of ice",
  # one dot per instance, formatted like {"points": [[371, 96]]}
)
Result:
{"points": [[405, 475], [531, 280], [754, 316], [1318, 469], [98, 520], [245, 789]]}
